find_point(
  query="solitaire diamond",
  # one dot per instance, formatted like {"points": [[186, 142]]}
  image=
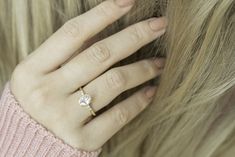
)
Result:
{"points": [[85, 100]]}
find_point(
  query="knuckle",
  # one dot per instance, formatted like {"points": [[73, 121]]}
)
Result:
{"points": [[40, 95], [72, 28], [121, 115], [99, 53], [136, 34], [20, 73], [115, 79], [104, 9], [67, 72], [148, 33]]}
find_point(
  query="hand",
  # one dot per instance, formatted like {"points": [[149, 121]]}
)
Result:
{"points": [[49, 92]]}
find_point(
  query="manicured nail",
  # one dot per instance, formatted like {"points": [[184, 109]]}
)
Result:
{"points": [[160, 62], [157, 24], [150, 91], [124, 3]]}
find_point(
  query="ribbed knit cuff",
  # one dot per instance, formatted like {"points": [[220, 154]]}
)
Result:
{"points": [[20, 135]]}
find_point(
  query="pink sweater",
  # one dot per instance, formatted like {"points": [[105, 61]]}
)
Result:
{"points": [[21, 136]]}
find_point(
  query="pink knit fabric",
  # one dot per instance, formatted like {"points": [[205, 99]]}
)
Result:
{"points": [[21, 136]]}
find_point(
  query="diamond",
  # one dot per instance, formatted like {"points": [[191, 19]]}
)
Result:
{"points": [[85, 100]]}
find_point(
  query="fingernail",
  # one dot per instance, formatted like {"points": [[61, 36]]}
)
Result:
{"points": [[160, 62], [124, 3], [157, 24], [150, 91]]}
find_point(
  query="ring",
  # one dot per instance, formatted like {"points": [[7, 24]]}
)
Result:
{"points": [[85, 101]]}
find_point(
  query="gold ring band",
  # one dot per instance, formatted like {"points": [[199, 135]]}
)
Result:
{"points": [[92, 111], [85, 101]]}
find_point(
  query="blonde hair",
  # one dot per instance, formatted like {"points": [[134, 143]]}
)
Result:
{"points": [[192, 113]]}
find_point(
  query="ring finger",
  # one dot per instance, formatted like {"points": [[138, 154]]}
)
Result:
{"points": [[115, 81]]}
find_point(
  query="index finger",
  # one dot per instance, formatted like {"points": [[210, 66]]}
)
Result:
{"points": [[72, 35]]}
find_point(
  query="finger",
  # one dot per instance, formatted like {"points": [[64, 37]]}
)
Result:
{"points": [[72, 35], [115, 81], [111, 121], [96, 59]]}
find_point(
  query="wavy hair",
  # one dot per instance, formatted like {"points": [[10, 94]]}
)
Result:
{"points": [[193, 112]]}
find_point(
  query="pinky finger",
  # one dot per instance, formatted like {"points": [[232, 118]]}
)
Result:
{"points": [[103, 127]]}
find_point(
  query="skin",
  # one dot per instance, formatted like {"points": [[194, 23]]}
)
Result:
{"points": [[49, 92]]}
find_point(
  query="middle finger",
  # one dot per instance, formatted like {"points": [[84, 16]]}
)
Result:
{"points": [[115, 81], [100, 56]]}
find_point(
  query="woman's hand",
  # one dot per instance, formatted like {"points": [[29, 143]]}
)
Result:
{"points": [[49, 92]]}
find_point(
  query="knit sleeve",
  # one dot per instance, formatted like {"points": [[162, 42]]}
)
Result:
{"points": [[21, 135]]}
